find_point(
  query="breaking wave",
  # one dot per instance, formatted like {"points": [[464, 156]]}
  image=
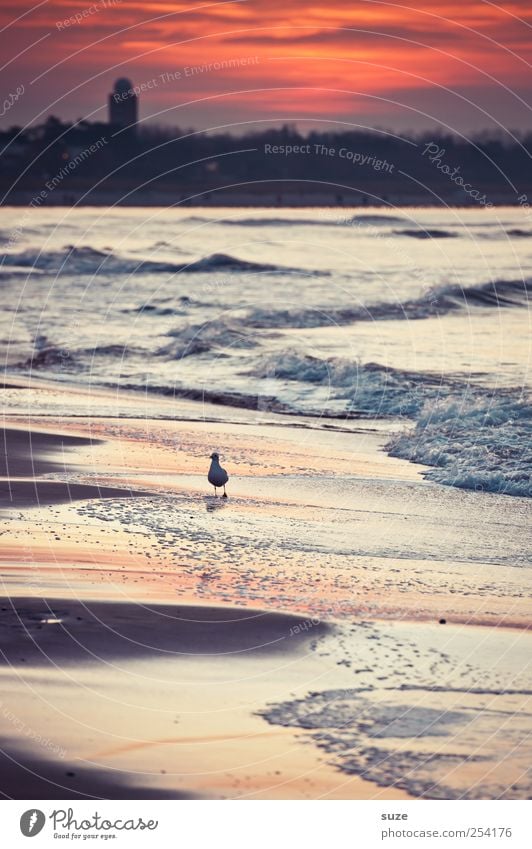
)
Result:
{"points": [[366, 388], [198, 339], [471, 436], [474, 441]]}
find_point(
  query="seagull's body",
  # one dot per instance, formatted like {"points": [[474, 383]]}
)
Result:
{"points": [[217, 476]]}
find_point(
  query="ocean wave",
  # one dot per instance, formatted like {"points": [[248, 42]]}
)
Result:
{"points": [[87, 260], [516, 232], [166, 307], [111, 350], [50, 357], [471, 436], [276, 222], [426, 234], [200, 338], [367, 388], [156, 310], [46, 355], [82, 260], [478, 441], [355, 221], [226, 262], [432, 304], [375, 220], [333, 218], [497, 294]]}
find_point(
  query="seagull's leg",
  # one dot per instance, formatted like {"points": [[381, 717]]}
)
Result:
{"points": [[225, 493], [215, 492]]}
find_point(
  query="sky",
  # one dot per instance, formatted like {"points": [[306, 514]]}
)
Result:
{"points": [[459, 65]]}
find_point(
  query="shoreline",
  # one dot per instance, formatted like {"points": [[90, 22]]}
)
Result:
{"points": [[129, 688], [105, 458]]}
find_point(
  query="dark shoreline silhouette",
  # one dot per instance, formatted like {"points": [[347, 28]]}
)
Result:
{"points": [[58, 163]]}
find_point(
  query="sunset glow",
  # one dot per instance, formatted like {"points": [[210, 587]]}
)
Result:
{"points": [[404, 65]]}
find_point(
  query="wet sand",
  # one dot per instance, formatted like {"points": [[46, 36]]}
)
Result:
{"points": [[26, 455], [159, 642], [106, 631], [146, 700]]}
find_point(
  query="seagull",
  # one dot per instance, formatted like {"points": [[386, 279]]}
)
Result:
{"points": [[217, 476]]}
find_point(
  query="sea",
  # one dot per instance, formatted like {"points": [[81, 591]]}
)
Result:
{"points": [[418, 318]]}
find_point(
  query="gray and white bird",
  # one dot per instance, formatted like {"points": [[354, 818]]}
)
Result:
{"points": [[217, 476]]}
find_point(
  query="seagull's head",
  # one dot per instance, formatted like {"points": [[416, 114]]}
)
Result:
{"points": [[215, 456]]}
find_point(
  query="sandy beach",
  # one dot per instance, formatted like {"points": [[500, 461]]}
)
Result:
{"points": [[266, 423], [325, 632]]}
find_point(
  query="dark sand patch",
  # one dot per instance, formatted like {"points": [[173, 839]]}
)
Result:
{"points": [[23, 776], [24, 452], [36, 631], [40, 493], [30, 453]]}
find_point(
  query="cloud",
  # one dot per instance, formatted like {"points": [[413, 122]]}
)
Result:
{"points": [[373, 50], [349, 37]]}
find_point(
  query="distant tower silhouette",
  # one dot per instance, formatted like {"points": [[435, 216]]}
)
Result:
{"points": [[123, 105]]}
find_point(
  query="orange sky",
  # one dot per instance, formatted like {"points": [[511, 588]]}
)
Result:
{"points": [[462, 65]]}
